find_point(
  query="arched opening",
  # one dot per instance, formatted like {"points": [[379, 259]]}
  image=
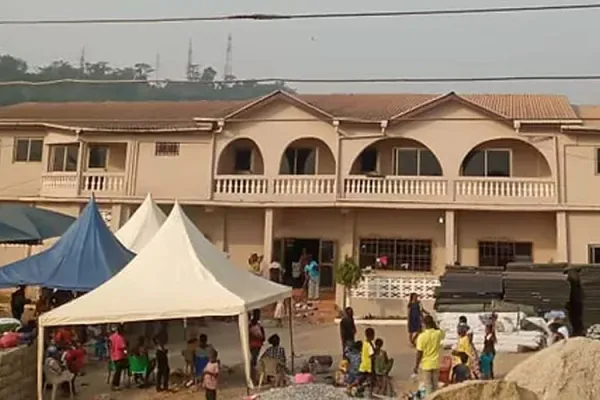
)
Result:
{"points": [[307, 156], [241, 157], [505, 158], [397, 156]]}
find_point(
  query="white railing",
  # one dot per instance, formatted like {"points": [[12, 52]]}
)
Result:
{"points": [[396, 186], [506, 187], [103, 182], [240, 184], [59, 180], [304, 185], [395, 288]]}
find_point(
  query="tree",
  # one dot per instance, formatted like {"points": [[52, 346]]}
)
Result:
{"points": [[348, 274], [200, 85]]}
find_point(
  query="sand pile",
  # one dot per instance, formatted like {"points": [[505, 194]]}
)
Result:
{"points": [[565, 370], [488, 390]]}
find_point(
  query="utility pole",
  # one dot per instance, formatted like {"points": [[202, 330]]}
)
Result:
{"points": [[82, 63], [228, 70]]}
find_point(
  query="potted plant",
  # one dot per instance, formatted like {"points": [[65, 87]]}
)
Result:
{"points": [[348, 274]]}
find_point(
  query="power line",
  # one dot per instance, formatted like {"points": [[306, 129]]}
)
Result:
{"points": [[306, 16], [506, 78]]}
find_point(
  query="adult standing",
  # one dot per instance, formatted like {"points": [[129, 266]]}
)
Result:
{"points": [[415, 317], [257, 338], [118, 355], [429, 348], [347, 329], [18, 301], [312, 276]]}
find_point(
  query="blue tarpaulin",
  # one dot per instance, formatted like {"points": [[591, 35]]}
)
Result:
{"points": [[87, 255]]}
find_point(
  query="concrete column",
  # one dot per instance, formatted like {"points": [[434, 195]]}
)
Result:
{"points": [[450, 227], [268, 236], [116, 213], [562, 237]]}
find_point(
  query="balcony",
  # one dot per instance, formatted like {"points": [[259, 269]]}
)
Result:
{"points": [[64, 184], [396, 188], [506, 190], [241, 188], [303, 188]]}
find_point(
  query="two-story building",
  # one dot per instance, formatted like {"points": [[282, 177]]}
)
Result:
{"points": [[425, 180]]}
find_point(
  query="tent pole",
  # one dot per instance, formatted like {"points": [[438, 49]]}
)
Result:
{"points": [[40, 362], [291, 326], [244, 337]]}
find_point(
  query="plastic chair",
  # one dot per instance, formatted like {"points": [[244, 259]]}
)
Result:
{"points": [[138, 365], [111, 370], [54, 379], [269, 367]]}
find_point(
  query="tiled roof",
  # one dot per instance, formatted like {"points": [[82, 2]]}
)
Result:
{"points": [[385, 106], [365, 107], [590, 115], [121, 115]]}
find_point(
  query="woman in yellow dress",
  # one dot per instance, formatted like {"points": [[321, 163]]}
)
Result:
{"points": [[465, 345]]}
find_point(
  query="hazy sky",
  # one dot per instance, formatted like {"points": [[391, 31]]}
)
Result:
{"points": [[544, 43]]}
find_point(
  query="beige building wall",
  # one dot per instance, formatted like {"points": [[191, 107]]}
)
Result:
{"points": [[583, 230], [580, 179], [245, 232], [185, 176], [19, 178], [474, 226]]}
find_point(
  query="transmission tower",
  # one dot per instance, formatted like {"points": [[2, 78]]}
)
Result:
{"points": [[228, 70], [192, 72], [82, 63]]}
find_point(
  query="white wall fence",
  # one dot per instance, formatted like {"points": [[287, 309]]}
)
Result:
{"points": [[395, 288]]}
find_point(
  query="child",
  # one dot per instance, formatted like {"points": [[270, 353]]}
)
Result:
{"points": [[304, 376], [461, 372], [342, 372], [486, 361], [162, 365], [210, 376], [189, 356]]}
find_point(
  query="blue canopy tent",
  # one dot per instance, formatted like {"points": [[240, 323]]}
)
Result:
{"points": [[87, 255]]}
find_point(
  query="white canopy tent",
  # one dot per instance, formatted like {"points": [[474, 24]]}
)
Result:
{"points": [[179, 274], [142, 226]]}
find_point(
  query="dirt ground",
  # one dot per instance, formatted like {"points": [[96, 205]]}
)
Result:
{"points": [[308, 340]]}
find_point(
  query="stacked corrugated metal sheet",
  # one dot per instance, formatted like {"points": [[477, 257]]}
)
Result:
{"points": [[589, 277], [474, 286], [544, 286]]}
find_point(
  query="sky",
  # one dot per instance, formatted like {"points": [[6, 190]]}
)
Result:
{"points": [[541, 43]]}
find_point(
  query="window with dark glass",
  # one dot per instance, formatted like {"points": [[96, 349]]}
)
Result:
{"points": [[28, 150], [368, 161], [416, 162], [487, 163], [98, 157], [243, 160], [598, 161], [402, 254], [594, 253], [298, 161], [64, 158], [498, 254]]}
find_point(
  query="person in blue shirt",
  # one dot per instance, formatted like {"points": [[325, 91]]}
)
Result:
{"points": [[312, 276]]}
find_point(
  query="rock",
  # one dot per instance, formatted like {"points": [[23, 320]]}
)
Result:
{"points": [[488, 390], [566, 370]]}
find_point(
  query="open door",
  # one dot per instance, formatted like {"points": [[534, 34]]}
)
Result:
{"points": [[327, 261]]}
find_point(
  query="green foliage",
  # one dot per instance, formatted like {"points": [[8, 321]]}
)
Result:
{"points": [[201, 84], [348, 273]]}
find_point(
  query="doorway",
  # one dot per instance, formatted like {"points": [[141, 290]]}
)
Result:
{"points": [[289, 250]]}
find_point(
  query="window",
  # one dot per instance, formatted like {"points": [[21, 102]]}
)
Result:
{"points": [[166, 149], [64, 158], [416, 162], [98, 157], [298, 161], [28, 150], [597, 161], [368, 161], [487, 163], [243, 160], [498, 254], [402, 254], [594, 253]]}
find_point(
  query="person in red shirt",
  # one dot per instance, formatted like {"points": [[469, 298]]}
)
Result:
{"points": [[118, 355]]}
